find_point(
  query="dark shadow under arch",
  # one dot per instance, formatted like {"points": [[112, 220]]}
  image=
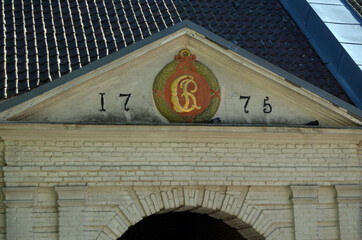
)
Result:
{"points": [[181, 226]]}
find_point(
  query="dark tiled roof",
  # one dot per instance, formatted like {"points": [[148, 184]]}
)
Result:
{"points": [[41, 41], [356, 5]]}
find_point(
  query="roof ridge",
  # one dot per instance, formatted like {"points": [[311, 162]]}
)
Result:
{"points": [[45, 47], [108, 22], [154, 20], [159, 10], [84, 37], [136, 20], [178, 14], [3, 74], [26, 58], [129, 26], [101, 39], [15, 47], [93, 35], [33, 58], [56, 73], [73, 30]]}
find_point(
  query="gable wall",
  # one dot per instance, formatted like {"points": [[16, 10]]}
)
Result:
{"points": [[274, 99]]}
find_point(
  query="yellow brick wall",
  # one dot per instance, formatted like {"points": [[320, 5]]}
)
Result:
{"points": [[94, 182], [98, 163]]}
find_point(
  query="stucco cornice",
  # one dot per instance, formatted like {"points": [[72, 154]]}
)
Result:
{"points": [[178, 133]]}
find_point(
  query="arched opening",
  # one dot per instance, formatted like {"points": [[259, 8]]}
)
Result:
{"points": [[181, 226]]}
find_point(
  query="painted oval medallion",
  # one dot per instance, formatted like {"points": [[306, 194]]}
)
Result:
{"points": [[185, 90]]}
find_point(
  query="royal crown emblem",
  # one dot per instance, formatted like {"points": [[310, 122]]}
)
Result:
{"points": [[185, 90]]}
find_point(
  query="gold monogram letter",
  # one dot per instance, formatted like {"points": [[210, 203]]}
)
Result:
{"points": [[184, 80]]}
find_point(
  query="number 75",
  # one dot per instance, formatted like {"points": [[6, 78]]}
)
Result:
{"points": [[267, 107]]}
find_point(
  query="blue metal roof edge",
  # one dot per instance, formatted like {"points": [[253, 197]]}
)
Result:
{"points": [[342, 66], [12, 102]]}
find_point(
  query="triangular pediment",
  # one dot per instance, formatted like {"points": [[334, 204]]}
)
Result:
{"points": [[120, 89]]}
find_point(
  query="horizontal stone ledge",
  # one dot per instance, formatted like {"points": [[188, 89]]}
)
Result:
{"points": [[20, 194], [71, 203], [14, 203], [349, 191], [349, 200], [304, 200], [66, 193], [178, 133]]}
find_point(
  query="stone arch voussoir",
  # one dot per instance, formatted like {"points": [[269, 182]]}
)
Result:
{"points": [[250, 221]]}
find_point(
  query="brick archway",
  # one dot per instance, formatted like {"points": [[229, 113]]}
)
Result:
{"points": [[250, 221]]}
